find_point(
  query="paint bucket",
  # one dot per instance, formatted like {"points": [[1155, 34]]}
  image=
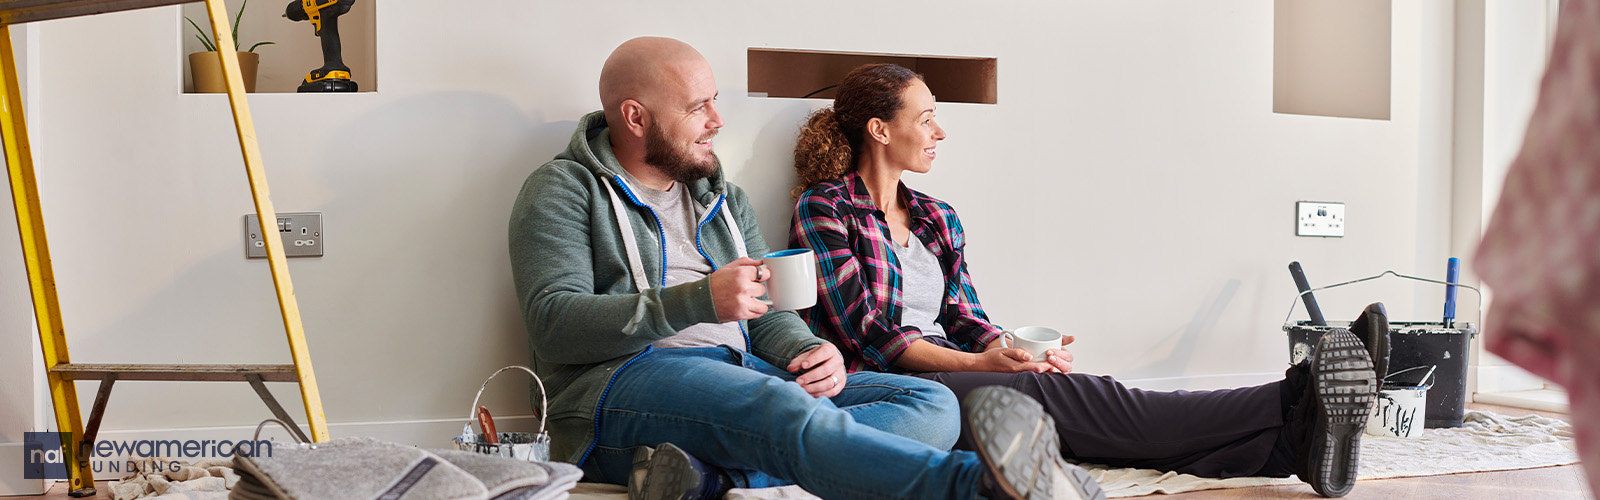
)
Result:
{"points": [[1444, 345], [1412, 344], [529, 446], [1402, 408]]}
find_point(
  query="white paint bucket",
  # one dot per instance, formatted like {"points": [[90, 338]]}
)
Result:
{"points": [[1401, 409]]}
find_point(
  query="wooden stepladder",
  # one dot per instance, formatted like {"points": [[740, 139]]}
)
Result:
{"points": [[62, 372]]}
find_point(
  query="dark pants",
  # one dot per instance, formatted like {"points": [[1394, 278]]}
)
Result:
{"points": [[1227, 433]]}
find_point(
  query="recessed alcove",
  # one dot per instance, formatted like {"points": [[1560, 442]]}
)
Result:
{"points": [[295, 51], [791, 73], [1332, 58]]}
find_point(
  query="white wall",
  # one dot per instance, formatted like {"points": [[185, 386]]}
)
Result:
{"points": [[1505, 72], [20, 359], [1132, 187]]}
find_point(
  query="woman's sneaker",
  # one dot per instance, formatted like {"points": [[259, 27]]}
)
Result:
{"points": [[1328, 421], [1021, 454]]}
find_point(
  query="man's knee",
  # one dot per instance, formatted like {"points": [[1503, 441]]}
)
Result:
{"points": [[938, 412], [935, 394]]}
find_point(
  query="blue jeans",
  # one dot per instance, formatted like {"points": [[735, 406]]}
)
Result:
{"points": [[884, 436]]}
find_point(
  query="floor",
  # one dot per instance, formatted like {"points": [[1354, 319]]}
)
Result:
{"points": [[1549, 483]]}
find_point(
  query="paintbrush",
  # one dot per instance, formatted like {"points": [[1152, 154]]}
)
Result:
{"points": [[487, 423]]}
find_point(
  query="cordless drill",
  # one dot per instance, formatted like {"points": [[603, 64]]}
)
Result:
{"points": [[333, 76]]}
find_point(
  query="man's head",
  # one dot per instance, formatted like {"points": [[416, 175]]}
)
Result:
{"points": [[660, 103]]}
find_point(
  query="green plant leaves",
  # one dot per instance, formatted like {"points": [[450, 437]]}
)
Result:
{"points": [[205, 41], [211, 45]]}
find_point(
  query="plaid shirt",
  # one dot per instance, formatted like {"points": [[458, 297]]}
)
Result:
{"points": [[859, 302]]}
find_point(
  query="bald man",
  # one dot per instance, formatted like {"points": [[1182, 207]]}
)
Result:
{"points": [[633, 263]]}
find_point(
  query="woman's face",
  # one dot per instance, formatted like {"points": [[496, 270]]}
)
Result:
{"points": [[913, 134]]}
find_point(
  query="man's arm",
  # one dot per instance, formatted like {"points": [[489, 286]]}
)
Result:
{"points": [[778, 336], [552, 260]]}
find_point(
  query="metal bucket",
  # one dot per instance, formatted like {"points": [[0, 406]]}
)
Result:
{"points": [[532, 447]]}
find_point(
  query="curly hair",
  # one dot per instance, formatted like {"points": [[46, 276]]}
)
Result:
{"points": [[831, 136]]}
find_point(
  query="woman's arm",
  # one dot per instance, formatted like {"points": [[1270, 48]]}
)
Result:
{"points": [[924, 356]]}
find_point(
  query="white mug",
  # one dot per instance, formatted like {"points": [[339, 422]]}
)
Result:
{"points": [[1036, 340], [793, 285]]}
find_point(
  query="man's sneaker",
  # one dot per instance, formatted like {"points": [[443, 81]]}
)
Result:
{"points": [[1373, 330], [1328, 421], [1016, 440], [669, 473]]}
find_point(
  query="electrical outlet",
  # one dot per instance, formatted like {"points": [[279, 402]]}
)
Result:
{"points": [[1316, 218], [301, 233]]}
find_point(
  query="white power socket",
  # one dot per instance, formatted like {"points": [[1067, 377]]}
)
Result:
{"points": [[1317, 218]]}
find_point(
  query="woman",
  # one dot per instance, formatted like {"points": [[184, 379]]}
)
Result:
{"points": [[895, 296]]}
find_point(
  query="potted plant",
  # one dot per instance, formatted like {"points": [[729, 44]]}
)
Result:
{"points": [[205, 68]]}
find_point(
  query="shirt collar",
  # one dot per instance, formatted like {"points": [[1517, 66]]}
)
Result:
{"points": [[861, 198]]}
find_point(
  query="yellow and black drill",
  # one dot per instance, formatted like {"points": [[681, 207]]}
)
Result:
{"points": [[333, 76]]}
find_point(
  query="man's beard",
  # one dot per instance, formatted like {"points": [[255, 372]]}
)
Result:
{"points": [[676, 163]]}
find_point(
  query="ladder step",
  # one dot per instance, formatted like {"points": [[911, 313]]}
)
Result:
{"points": [[22, 11], [185, 373]]}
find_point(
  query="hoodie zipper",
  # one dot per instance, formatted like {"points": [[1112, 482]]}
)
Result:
{"points": [[710, 214], [661, 232], [601, 404]]}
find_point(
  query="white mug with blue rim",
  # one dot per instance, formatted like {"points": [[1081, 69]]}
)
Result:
{"points": [[793, 285]]}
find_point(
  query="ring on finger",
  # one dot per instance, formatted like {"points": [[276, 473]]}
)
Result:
{"points": [[758, 273], [835, 381]]}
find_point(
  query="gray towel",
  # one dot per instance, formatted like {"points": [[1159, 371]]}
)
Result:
{"points": [[511, 478], [365, 468]]}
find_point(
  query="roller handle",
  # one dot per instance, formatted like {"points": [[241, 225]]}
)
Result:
{"points": [[1452, 274], [1305, 295]]}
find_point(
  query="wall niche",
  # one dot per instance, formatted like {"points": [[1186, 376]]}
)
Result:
{"points": [[296, 49], [790, 73]]}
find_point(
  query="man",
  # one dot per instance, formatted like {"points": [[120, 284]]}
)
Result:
{"points": [[631, 257]]}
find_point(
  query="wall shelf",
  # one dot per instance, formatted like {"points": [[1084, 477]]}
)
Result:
{"points": [[296, 50], [791, 73]]}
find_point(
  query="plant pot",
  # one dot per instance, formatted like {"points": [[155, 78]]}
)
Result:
{"points": [[205, 70]]}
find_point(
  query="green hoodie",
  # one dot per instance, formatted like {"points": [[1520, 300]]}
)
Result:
{"points": [[586, 317]]}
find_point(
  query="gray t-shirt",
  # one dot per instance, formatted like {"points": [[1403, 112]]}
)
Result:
{"points": [[679, 216], [921, 287]]}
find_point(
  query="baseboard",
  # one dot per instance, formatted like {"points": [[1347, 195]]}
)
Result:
{"points": [[431, 433], [1203, 382], [1507, 378], [1552, 400], [11, 481]]}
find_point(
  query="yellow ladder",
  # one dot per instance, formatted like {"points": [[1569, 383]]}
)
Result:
{"points": [[25, 194]]}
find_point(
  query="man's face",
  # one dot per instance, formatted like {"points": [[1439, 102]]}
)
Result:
{"points": [[678, 139], [683, 160]]}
